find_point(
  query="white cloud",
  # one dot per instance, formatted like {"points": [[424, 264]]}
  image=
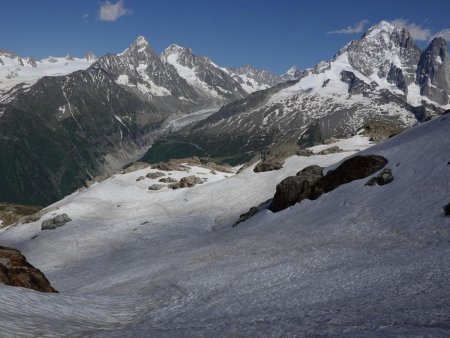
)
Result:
{"points": [[85, 15], [445, 33], [356, 28], [112, 11], [418, 32]]}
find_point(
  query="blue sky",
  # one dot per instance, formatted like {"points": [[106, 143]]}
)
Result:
{"points": [[267, 34]]}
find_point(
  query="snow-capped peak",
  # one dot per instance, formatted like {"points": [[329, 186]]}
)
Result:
{"points": [[139, 46], [291, 71], [140, 41]]}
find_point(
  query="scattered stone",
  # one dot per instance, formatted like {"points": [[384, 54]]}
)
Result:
{"points": [[168, 180], [55, 222], [293, 189], [155, 175], [35, 236], [382, 178], [140, 178], [156, 186], [212, 171], [186, 182], [331, 150], [447, 209], [16, 271]]}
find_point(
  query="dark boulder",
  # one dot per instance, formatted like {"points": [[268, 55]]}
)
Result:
{"points": [[310, 184], [293, 189], [16, 271], [354, 168], [447, 209]]}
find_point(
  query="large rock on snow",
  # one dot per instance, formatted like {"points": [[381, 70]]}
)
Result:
{"points": [[293, 189], [16, 271], [354, 168], [55, 222], [310, 184]]}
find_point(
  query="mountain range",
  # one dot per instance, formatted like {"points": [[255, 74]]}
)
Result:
{"points": [[66, 120], [382, 76]]}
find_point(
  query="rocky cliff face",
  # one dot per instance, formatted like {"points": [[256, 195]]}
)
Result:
{"points": [[16, 271], [433, 72]]}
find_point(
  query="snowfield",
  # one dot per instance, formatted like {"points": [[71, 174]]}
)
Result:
{"points": [[358, 261]]}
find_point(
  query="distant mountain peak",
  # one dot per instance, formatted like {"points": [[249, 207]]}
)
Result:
{"points": [[139, 49]]}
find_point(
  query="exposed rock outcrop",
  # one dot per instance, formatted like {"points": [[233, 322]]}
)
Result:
{"points": [[310, 184], [12, 213], [382, 178], [16, 271], [293, 189], [379, 131]]}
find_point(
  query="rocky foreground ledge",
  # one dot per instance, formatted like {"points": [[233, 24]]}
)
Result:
{"points": [[16, 271]]}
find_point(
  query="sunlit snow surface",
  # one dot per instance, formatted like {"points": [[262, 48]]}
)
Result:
{"points": [[359, 261], [15, 70]]}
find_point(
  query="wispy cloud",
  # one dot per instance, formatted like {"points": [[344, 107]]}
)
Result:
{"points": [[355, 29], [418, 32], [112, 11], [445, 33], [85, 15]]}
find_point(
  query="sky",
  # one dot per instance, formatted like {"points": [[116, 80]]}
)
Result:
{"points": [[267, 34]]}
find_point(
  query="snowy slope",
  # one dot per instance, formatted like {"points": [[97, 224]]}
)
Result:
{"points": [[15, 70], [357, 261]]}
